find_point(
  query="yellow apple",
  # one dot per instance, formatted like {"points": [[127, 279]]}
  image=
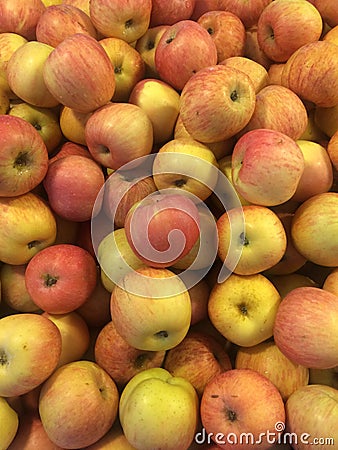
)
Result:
{"points": [[331, 281], [327, 119], [9, 42], [9, 424], [73, 124]]}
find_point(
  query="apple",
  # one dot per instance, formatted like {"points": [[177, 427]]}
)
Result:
{"points": [[304, 327], [332, 35], [312, 131], [286, 283], [115, 438], [275, 73], [256, 72], [119, 359], [70, 148], [146, 46], [118, 133], [80, 57], [332, 150], [152, 398], [129, 67], [307, 67], [267, 359], [326, 119], [330, 283], [81, 4], [125, 19], [24, 157], [227, 32], [171, 52], [252, 49], [164, 13], [314, 228], [152, 309], [59, 402], [26, 359], [241, 407], [25, 74], [199, 297], [262, 242], [73, 184], [4, 101], [243, 308], [278, 108], [9, 42], [60, 278], [9, 423], [72, 124], [20, 18], [18, 243], [44, 120], [198, 358], [266, 166], [60, 21], [284, 26], [328, 11], [225, 100], [313, 428], [328, 377]]}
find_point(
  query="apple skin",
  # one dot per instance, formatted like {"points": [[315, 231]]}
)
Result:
{"points": [[70, 148], [241, 401], [23, 159], [9, 42], [60, 21], [328, 10], [284, 26], [19, 244], [9, 423], [146, 46], [153, 397], [164, 13], [286, 283], [304, 327], [330, 283], [332, 150], [243, 308], [266, 166], [72, 185], [323, 424], [20, 18], [126, 19], [199, 297], [80, 57], [267, 359], [171, 52], [332, 35], [35, 359], [256, 72], [326, 119], [114, 439], [225, 100], [314, 228], [60, 278], [59, 401], [81, 4]]}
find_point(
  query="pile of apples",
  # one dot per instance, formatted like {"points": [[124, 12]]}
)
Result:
{"points": [[168, 224]]}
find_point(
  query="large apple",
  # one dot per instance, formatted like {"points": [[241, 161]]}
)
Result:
{"points": [[216, 103], [20, 18], [304, 328], [26, 360], [9, 421], [153, 398]]}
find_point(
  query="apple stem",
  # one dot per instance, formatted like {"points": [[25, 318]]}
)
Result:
{"points": [[232, 416], [244, 240], [3, 358], [162, 334], [50, 280]]}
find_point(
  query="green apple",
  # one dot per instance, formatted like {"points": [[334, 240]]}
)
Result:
{"points": [[9, 423]]}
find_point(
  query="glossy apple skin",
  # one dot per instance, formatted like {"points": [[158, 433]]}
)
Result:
{"points": [[20, 18], [304, 327]]}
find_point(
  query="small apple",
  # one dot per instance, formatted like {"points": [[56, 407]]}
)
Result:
{"points": [[72, 124], [9, 421]]}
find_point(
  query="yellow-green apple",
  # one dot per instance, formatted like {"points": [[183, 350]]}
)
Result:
{"points": [[306, 73], [286, 283], [304, 328], [152, 398], [129, 67], [257, 73], [332, 150], [227, 31], [171, 52], [25, 74], [59, 402], [267, 359], [241, 407], [262, 242], [317, 430], [152, 309], [225, 100], [314, 229], [73, 184], [74, 336], [162, 228], [60, 278], [118, 133], [186, 164], [328, 11], [278, 108], [9, 423], [81, 4], [13, 288], [127, 19], [199, 297], [9, 42], [332, 35], [23, 159], [146, 46], [266, 166], [162, 104], [169, 13], [328, 377], [72, 124], [331, 282], [326, 119], [44, 120], [79, 64], [317, 177], [60, 21], [119, 359], [253, 50], [4, 101], [284, 26], [19, 243], [198, 358], [26, 359], [20, 18], [243, 308]]}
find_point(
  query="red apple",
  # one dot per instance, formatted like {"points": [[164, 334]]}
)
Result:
{"points": [[70, 148], [169, 13], [20, 18]]}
